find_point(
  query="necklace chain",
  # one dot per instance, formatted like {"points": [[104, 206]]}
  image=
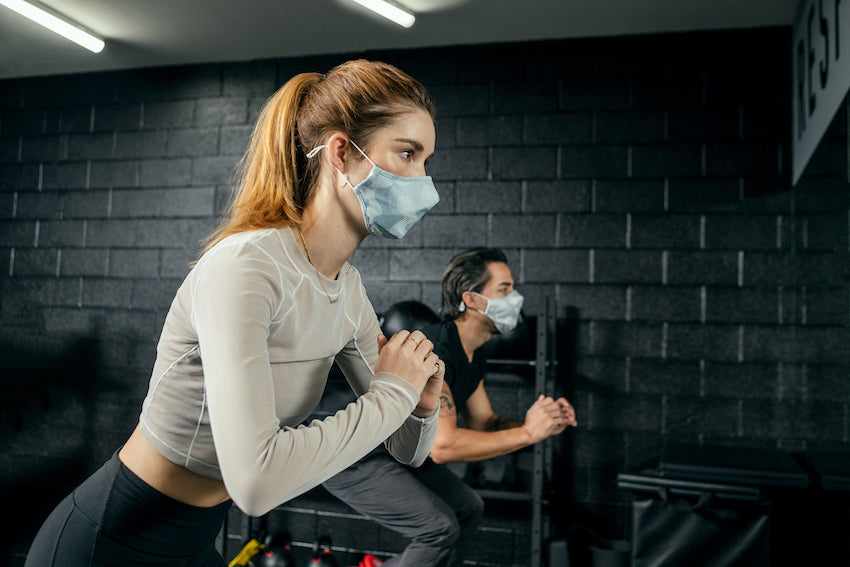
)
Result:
{"points": [[318, 275]]}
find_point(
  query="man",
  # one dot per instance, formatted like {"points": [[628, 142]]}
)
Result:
{"points": [[430, 504]]}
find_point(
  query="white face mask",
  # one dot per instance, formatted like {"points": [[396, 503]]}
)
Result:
{"points": [[503, 311], [391, 204]]}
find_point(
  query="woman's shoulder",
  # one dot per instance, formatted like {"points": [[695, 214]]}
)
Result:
{"points": [[264, 244], [256, 252]]}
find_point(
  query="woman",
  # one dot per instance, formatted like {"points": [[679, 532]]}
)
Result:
{"points": [[253, 330]]}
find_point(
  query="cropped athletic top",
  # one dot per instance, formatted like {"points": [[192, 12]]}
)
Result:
{"points": [[243, 360]]}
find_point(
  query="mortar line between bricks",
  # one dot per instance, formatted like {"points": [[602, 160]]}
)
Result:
{"points": [[58, 260], [779, 221], [14, 204], [37, 234], [593, 201], [702, 232], [740, 343], [740, 268], [12, 262]]}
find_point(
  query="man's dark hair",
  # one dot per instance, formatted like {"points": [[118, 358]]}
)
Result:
{"points": [[467, 271]]}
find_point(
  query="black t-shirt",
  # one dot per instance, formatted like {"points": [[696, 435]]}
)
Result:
{"points": [[462, 376]]}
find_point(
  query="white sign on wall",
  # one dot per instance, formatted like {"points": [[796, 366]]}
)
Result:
{"points": [[820, 73]]}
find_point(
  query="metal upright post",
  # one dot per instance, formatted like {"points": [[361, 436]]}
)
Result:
{"points": [[537, 521]]}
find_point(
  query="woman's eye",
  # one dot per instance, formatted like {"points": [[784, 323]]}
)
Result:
{"points": [[407, 155]]}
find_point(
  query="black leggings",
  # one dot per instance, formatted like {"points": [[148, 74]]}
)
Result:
{"points": [[115, 518]]}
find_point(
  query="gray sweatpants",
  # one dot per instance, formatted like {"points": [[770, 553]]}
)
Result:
{"points": [[430, 505]]}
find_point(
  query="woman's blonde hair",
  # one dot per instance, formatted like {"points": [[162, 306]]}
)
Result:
{"points": [[276, 180]]}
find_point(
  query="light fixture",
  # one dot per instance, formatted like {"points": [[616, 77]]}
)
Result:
{"points": [[389, 11], [55, 24]]}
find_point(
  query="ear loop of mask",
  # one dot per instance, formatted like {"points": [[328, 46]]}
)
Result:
{"points": [[317, 149], [462, 306]]}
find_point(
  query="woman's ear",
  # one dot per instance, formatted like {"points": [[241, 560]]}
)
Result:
{"points": [[338, 148]]}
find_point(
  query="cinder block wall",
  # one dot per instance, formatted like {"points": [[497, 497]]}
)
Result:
{"points": [[642, 181]]}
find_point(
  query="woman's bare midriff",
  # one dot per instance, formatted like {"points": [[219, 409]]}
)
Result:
{"points": [[170, 478]]}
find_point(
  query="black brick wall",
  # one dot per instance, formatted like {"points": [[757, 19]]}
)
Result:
{"points": [[643, 181]]}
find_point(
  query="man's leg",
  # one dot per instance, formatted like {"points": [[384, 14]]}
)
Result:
{"points": [[390, 494]]}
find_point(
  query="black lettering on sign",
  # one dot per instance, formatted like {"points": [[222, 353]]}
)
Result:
{"points": [[811, 60], [801, 88], [824, 31]]}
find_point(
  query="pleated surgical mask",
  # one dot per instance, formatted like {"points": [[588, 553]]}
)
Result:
{"points": [[503, 311], [391, 204]]}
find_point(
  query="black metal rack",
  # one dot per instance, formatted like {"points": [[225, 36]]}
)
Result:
{"points": [[544, 363]]}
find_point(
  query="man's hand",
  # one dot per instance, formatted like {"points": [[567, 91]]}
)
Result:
{"points": [[568, 414], [547, 417]]}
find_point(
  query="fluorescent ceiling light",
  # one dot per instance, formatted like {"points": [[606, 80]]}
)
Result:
{"points": [[389, 11], [64, 28]]}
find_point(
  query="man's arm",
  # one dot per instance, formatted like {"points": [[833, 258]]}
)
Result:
{"points": [[479, 441], [479, 414]]}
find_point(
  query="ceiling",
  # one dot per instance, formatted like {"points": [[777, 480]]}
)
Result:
{"points": [[150, 33]]}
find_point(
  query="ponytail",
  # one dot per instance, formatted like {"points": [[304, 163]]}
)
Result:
{"points": [[272, 190]]}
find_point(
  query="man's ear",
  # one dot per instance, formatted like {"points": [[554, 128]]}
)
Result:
{"points": [[472, 300]]}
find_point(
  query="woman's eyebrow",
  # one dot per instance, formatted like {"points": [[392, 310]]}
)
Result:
{"points": [[416, 145]]}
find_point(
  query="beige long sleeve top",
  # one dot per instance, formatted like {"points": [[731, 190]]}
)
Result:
{"points": [[243, 360]]}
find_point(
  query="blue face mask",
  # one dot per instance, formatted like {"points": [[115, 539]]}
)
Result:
{"points": [[391, 204]]}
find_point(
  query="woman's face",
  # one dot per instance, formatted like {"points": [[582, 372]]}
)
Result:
{"points": [[403, 147]]}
